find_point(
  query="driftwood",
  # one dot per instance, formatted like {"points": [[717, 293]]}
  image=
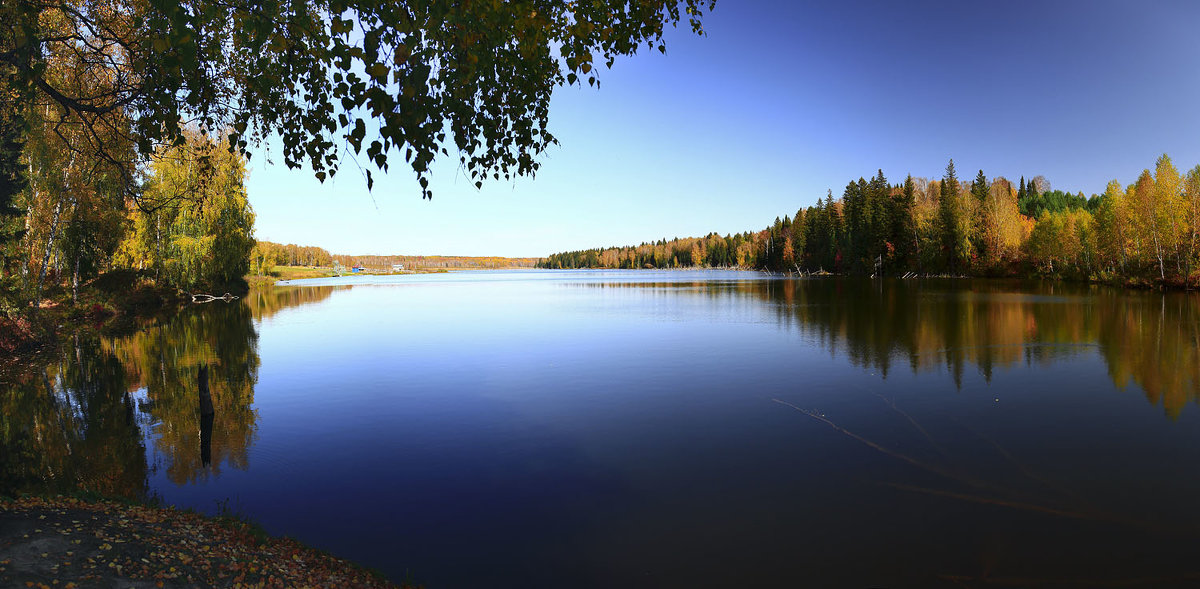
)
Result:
{"points": [[207, 298]]}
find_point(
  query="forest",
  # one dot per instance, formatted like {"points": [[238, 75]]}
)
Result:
{"points": [[1144, 233], [125, 127], [267, 254], [184, 222], [438, 262]]}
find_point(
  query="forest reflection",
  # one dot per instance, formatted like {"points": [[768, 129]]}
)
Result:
{"points": [[1147, 338], [103, 414], [164, 364], [266, 302], [82, 420]]}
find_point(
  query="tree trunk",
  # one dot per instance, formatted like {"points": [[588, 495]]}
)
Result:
{"points": [[75, 281], [46, 257], [1162, 269]]}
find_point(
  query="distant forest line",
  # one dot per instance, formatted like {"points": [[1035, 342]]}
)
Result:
{"points": [[267, 255], [1147, 232]]}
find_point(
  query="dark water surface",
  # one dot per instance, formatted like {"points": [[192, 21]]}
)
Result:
{"points": [[656, 429]]}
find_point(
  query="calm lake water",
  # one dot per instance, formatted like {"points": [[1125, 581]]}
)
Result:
{"points": [[655, 429]]}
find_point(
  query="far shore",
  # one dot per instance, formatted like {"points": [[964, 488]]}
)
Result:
{"points": [[283, 274]]}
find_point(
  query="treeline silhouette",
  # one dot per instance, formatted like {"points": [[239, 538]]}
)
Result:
{"points": [[1147, 232]]}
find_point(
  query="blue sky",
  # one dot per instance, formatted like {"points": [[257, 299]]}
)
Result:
{"points": [[781, 102]]}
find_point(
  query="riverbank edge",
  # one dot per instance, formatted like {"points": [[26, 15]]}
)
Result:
{"points": [[284, 275], [1114, 281], [114, 304], [121, 540]]}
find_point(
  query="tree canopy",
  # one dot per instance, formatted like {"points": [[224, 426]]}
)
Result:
{"points": [[332, 78], [1146, 233]]}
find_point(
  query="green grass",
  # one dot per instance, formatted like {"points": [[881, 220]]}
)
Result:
{"points": [[277, 273]]}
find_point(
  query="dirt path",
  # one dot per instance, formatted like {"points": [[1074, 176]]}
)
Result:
{"points": [[70, 543]]}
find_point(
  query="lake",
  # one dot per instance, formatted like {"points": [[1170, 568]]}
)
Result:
{"points": [[655, 428]]}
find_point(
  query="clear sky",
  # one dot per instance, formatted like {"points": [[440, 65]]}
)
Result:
{"points": [[783, 101]]}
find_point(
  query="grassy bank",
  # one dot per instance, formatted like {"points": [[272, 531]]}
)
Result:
{"points": [[278, 273], [282, 273]]}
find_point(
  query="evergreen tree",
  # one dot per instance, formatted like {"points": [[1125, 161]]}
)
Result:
{"points": [[1030, 203], [949, 214], [879, 223], [979, 188], [854, 207], [979, 192], [904, 223], [799, 236]]}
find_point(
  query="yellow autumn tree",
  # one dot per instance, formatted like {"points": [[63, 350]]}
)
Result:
{"points": [[202, 234], [1000, 224]]}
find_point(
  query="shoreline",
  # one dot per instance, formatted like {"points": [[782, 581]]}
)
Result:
{"points": [[103, 308], [63, 541], [1128, 285], [122, 305]]}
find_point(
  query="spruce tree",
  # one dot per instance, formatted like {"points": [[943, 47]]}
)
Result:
{"points": [[1032, 204], [979, 188], [880, 219], [948, 214], [904, 223]]}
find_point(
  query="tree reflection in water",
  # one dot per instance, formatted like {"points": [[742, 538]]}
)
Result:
{"points": [[81, 421], [1150, 339], [166, 362], [72, 424]]}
